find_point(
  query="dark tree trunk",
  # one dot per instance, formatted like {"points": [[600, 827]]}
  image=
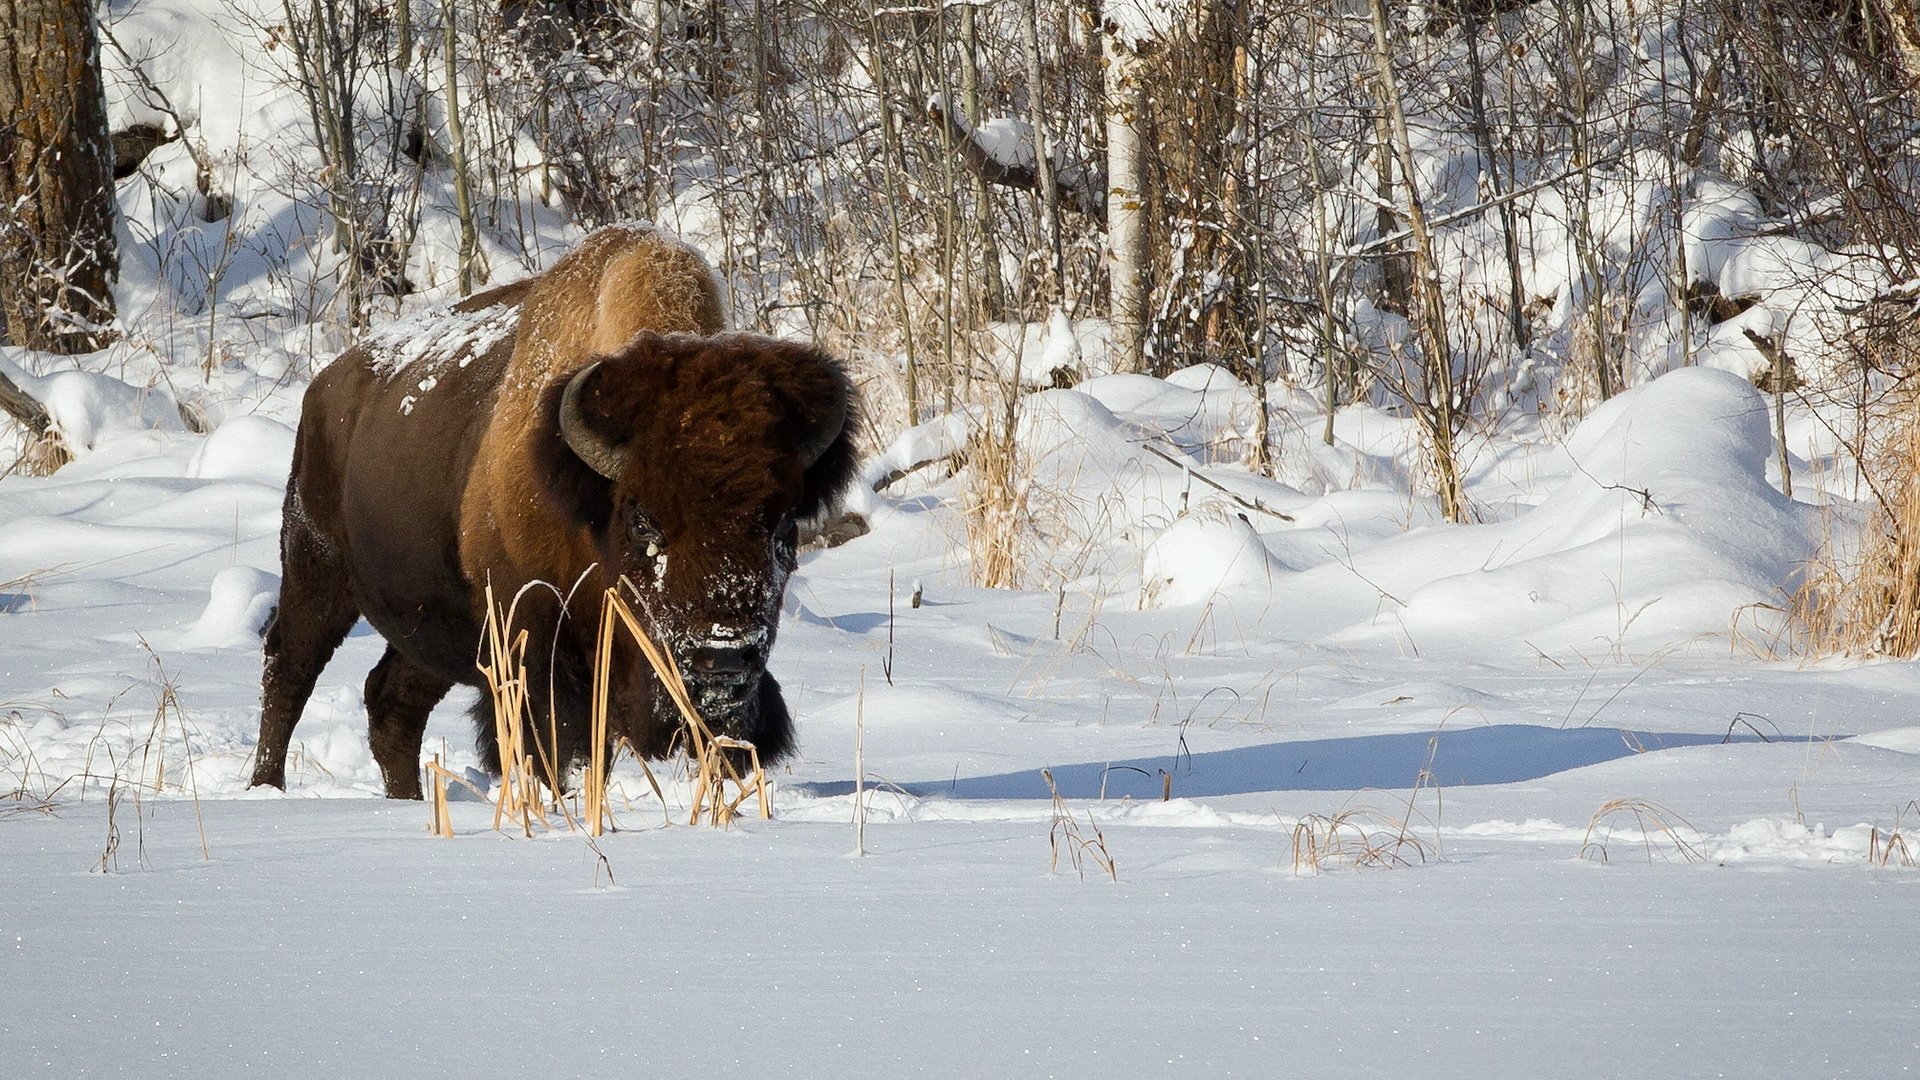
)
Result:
{"points": [[57, 256]]}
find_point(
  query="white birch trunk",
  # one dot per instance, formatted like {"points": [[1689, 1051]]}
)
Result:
{"points": [[1126, 197]]}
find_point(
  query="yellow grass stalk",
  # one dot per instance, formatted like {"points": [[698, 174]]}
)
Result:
{"points": [[996, 511], [442, 824], [1357, 836], [518, 798], [593, 794], [1659, 828], [506, 675], [1065, 833]]}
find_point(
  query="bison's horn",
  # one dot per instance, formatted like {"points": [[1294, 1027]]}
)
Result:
{"points": [[587, 444], [830, 422]]}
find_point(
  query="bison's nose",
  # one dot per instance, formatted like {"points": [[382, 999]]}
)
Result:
{"points": [[724, 660]]}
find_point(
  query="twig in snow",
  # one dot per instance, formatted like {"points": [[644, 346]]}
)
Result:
{"points": [[1251, 504]]}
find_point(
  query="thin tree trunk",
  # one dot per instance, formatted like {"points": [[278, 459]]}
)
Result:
{"points": [[1396, 287], [890, 145], [1433, 403], [1322, 237], [994, 287], [1126, 202], [1043, 154], [1483, 138], [321, 65], [456, 134], [1586, 244], [1243, 228]]}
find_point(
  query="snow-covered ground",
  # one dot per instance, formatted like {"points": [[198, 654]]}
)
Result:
{"points": [[1628, 833]]}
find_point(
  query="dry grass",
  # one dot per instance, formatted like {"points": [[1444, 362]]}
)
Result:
{"points": [[517, 797], [20, 803], [1359, 837], [41, 455], [1888, 847], [1659, 832], [1065, 835], [110, 852], [20, 795], [860, 768], [994, 507], [442, 823], [168, 716], [17, 593], [1365, 837], [135, 768], [526, 766], [1868, 601]]}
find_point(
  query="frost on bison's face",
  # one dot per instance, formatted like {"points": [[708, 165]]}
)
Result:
{"points": [[690, 461]]}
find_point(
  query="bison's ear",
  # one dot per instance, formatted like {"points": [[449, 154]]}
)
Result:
{"points": [[826, 414], [575, 485]]}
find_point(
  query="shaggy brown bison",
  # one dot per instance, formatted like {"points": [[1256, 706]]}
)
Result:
{"points": [[549, 438]]}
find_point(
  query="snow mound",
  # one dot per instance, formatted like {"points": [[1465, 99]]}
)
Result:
{"points": [[89, 408], [240, 603], [1062, 349], [244, 448], [197, 56], [1210, 551], [1666, 530], [1900, 740], [1784, 839]]}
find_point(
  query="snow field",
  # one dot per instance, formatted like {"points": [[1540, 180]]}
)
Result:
{"points": [[332, 936]]}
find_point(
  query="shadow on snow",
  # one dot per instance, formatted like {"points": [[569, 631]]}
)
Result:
{"points": [[1498, 754]]}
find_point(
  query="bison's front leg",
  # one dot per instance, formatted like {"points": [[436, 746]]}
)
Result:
{"points": [[400, 695]]}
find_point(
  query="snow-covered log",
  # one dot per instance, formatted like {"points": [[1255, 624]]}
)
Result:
{"points": [[1000, 150]]}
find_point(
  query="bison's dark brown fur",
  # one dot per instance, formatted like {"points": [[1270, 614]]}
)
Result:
{"points": [[549, 438]]}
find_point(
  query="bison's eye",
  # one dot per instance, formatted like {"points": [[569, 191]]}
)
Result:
{"points": [[643, 534]]}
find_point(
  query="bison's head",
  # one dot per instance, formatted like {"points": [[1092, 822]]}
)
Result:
{"points": [[690, 462]]}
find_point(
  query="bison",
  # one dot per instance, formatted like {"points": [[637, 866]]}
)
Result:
{"points": [[548, 439]]}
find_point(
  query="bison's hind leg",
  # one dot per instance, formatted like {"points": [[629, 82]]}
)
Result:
{"points": [[313, 617], [400, 695]]}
